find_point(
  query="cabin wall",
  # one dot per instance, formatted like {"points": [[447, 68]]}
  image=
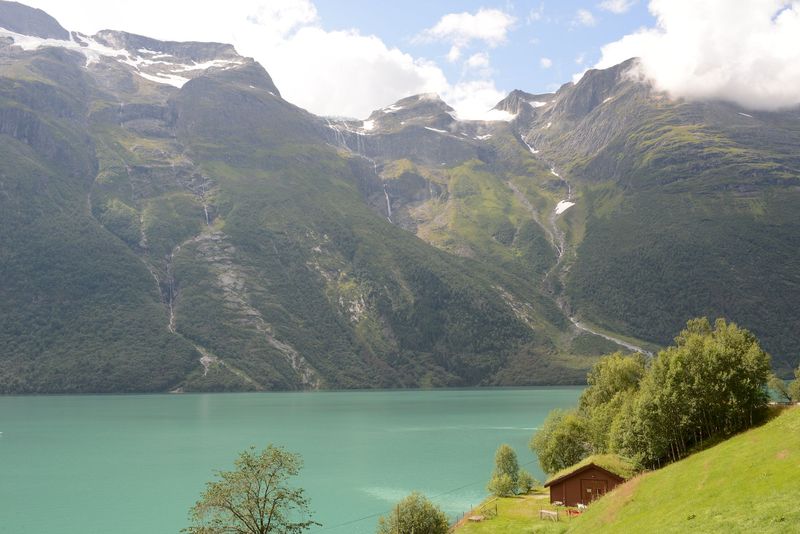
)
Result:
{"points": [[573, 490]]}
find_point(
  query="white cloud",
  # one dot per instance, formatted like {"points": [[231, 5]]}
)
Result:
{"points": [[345, 73], [746, 52], [475, 100], [454, 54], [327, 72], [283, 16], [580, 59], [616, 6], [545, 62], [478, 61], [584, 17], [489, 26], [536, 14]]}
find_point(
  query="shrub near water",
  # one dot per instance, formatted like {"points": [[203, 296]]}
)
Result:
{"points": [[414, 515]]}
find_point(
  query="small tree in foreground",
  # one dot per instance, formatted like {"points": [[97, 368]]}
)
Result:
{"points": [[255, 498], [505, 476], [414, 515]]}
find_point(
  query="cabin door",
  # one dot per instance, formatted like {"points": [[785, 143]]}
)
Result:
{"points": [[592, 489]]}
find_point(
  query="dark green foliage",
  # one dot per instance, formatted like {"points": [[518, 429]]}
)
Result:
{"points": [[122, 221], [710, 384], [665, 257], [106, 248], [414, 514], [691, 209], [78, 311]]}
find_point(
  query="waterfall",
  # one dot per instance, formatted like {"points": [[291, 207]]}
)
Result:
{"points": [[388, 203]]}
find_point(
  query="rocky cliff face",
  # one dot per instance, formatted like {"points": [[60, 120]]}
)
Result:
{"points": [[24, 20]]}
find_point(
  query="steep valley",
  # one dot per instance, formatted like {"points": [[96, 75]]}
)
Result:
{"points": [[171, 223]]}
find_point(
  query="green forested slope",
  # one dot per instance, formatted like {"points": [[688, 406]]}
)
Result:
{"points": [[210, 238], [684, 209], [79, 311]]}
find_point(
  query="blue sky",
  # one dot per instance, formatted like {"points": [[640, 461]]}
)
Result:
{"points": [[542, 30]]}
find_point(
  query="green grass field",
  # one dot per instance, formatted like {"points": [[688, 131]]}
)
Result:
{"points": [[747, 484]]}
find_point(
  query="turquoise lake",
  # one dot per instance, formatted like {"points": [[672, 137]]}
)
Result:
{"points": [[136, 463]]}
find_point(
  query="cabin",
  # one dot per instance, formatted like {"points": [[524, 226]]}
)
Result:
{"points": [[587, 480]]}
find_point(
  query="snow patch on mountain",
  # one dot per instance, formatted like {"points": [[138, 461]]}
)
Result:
{"points": [[149, 64], [168, 79], [563, 206]]}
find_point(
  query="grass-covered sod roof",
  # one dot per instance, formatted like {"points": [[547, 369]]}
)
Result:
{"points": [[610, 462]]}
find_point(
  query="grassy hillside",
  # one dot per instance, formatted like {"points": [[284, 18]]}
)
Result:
{"points": [[745, 484]]}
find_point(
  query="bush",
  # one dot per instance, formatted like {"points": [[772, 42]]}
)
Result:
{"points": [[502, 485], [414, 515], [525, 482]]}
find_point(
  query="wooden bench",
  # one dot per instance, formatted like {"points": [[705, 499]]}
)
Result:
{"points": [[548, 514], [476, 518]]}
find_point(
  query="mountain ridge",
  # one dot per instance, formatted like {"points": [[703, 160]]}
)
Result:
{"points": [[274, 249]]}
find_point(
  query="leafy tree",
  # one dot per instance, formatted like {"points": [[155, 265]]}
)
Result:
{"points": [[711, 383], [501, 485], [505, 476], [562, 441], [780, 387], [505, 462], [254, 498], [611, 382], [414, 515], [610, 376], [525, 482]]}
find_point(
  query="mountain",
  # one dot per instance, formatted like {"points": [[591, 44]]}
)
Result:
{"points": [[171, 223], [682, 208]]}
